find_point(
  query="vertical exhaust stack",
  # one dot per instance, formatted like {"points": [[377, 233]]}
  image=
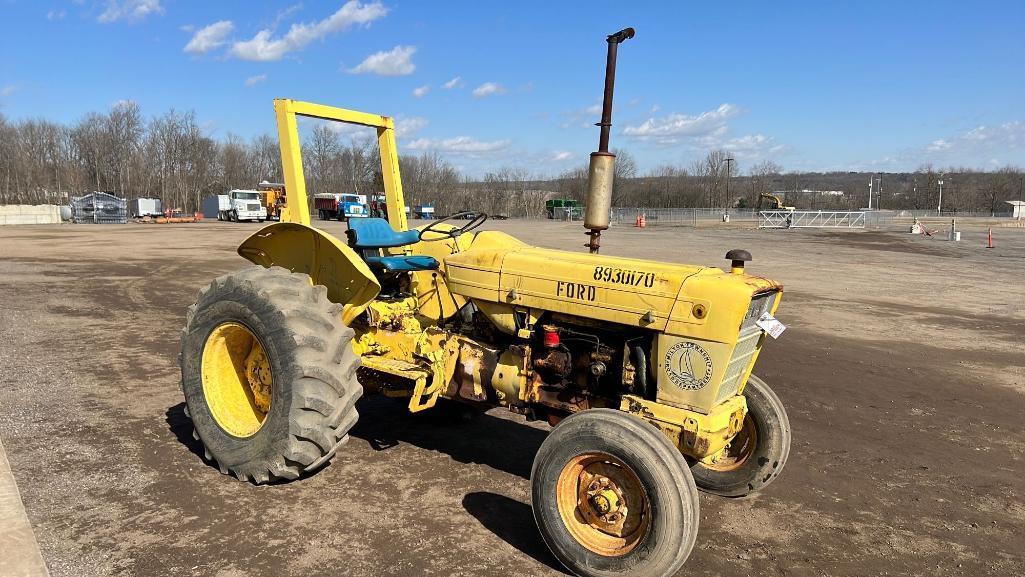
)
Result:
{"points": [[602, 168]]}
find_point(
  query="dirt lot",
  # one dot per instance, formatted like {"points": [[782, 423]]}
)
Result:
{"points": [[903, 371]]}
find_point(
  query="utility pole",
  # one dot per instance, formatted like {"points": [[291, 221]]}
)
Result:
{"points": [[729, 171], [871, 181], [879, 192], [939, 205]]}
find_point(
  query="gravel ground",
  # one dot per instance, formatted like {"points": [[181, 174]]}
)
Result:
{"points": [[903, 371]]}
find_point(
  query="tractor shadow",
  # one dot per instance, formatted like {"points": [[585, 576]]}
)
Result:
{"points": [[181, 426], [465, 434], [512, 522]]}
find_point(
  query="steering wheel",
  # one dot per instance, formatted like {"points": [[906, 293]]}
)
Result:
{"points": [[477, 220]]}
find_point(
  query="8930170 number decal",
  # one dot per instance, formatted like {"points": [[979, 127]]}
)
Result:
{"points": [[624, 277]]}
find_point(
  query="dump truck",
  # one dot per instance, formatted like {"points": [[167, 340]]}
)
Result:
{"points": [[340, 206], [379, 206], [423, 211], [643, 369]]}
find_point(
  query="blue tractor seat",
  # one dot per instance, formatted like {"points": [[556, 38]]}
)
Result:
{"points": [[403, 263], [375, 233]]}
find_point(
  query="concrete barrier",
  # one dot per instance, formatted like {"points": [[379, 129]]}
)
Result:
{"points": [[30, 214], [20, 557]]}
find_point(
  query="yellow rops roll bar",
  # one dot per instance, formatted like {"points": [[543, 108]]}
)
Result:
{"points": [[297, 208]]}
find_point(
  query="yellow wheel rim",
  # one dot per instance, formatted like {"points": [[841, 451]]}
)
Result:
{"points": [[738, 451], [603, 504], [236, 379]]}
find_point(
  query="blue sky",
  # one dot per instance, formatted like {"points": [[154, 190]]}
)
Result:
{"points": [[811, 85]]}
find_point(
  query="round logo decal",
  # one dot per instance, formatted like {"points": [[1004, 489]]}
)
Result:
{"points": [[688, 365]]}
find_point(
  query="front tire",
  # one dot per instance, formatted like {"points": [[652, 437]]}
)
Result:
{"points": [[756, 456], [612, 496], [269, 374]]}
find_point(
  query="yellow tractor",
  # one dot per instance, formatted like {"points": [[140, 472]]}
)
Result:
{"points": [[643, 368]]}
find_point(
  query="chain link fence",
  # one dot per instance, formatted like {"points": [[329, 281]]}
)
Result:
{"points": [[682, 216]]}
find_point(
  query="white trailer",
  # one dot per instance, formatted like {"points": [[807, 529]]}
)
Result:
{"points": [[140, 207]]}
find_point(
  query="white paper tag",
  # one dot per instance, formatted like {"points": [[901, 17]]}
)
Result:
{"points": [[769, 324]]}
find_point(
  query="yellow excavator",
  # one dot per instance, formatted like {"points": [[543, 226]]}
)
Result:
{"points": [[775, 200]]}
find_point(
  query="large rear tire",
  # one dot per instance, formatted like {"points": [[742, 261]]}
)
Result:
{"points": [[756, 456], [612, 496], [269, 374]]}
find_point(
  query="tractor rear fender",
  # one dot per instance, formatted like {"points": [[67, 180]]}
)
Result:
{"points": [[329, 262]]}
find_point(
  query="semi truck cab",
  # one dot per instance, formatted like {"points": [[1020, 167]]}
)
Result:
{"points": [[239, 205]]}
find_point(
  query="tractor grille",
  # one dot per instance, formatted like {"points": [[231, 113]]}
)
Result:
{"points": [[747, 345]]}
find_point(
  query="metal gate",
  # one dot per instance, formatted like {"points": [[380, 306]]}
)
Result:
{"points": [[100, 208], [810, 219]]}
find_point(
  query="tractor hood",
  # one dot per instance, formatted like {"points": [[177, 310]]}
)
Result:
{"points": [[666, 297]]}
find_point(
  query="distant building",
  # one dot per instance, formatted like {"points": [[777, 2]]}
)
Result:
{"points": [[1017, 208]]}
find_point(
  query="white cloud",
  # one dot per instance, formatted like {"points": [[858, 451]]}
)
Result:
{"points": [[394, 62], [282, 15], [708, 130], [456, 82], [264, 47], [673, 128], [974, 146], [593, 109], [421, 91], [9, 89], [254, 80], [561, 155], [459, 145], [56, 15], [407, 126], [750, 146], [209, 37], [488, 89], [130, 10]]}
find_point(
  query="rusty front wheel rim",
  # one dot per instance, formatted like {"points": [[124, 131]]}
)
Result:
{"points": [[738, 451], [603, 504]]}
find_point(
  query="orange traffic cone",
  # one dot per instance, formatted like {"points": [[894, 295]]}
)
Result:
{"points": [[989, 243], [637, 222], [643, 222]]}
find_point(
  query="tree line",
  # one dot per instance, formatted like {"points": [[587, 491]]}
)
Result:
{"points": [[173, 158]]}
